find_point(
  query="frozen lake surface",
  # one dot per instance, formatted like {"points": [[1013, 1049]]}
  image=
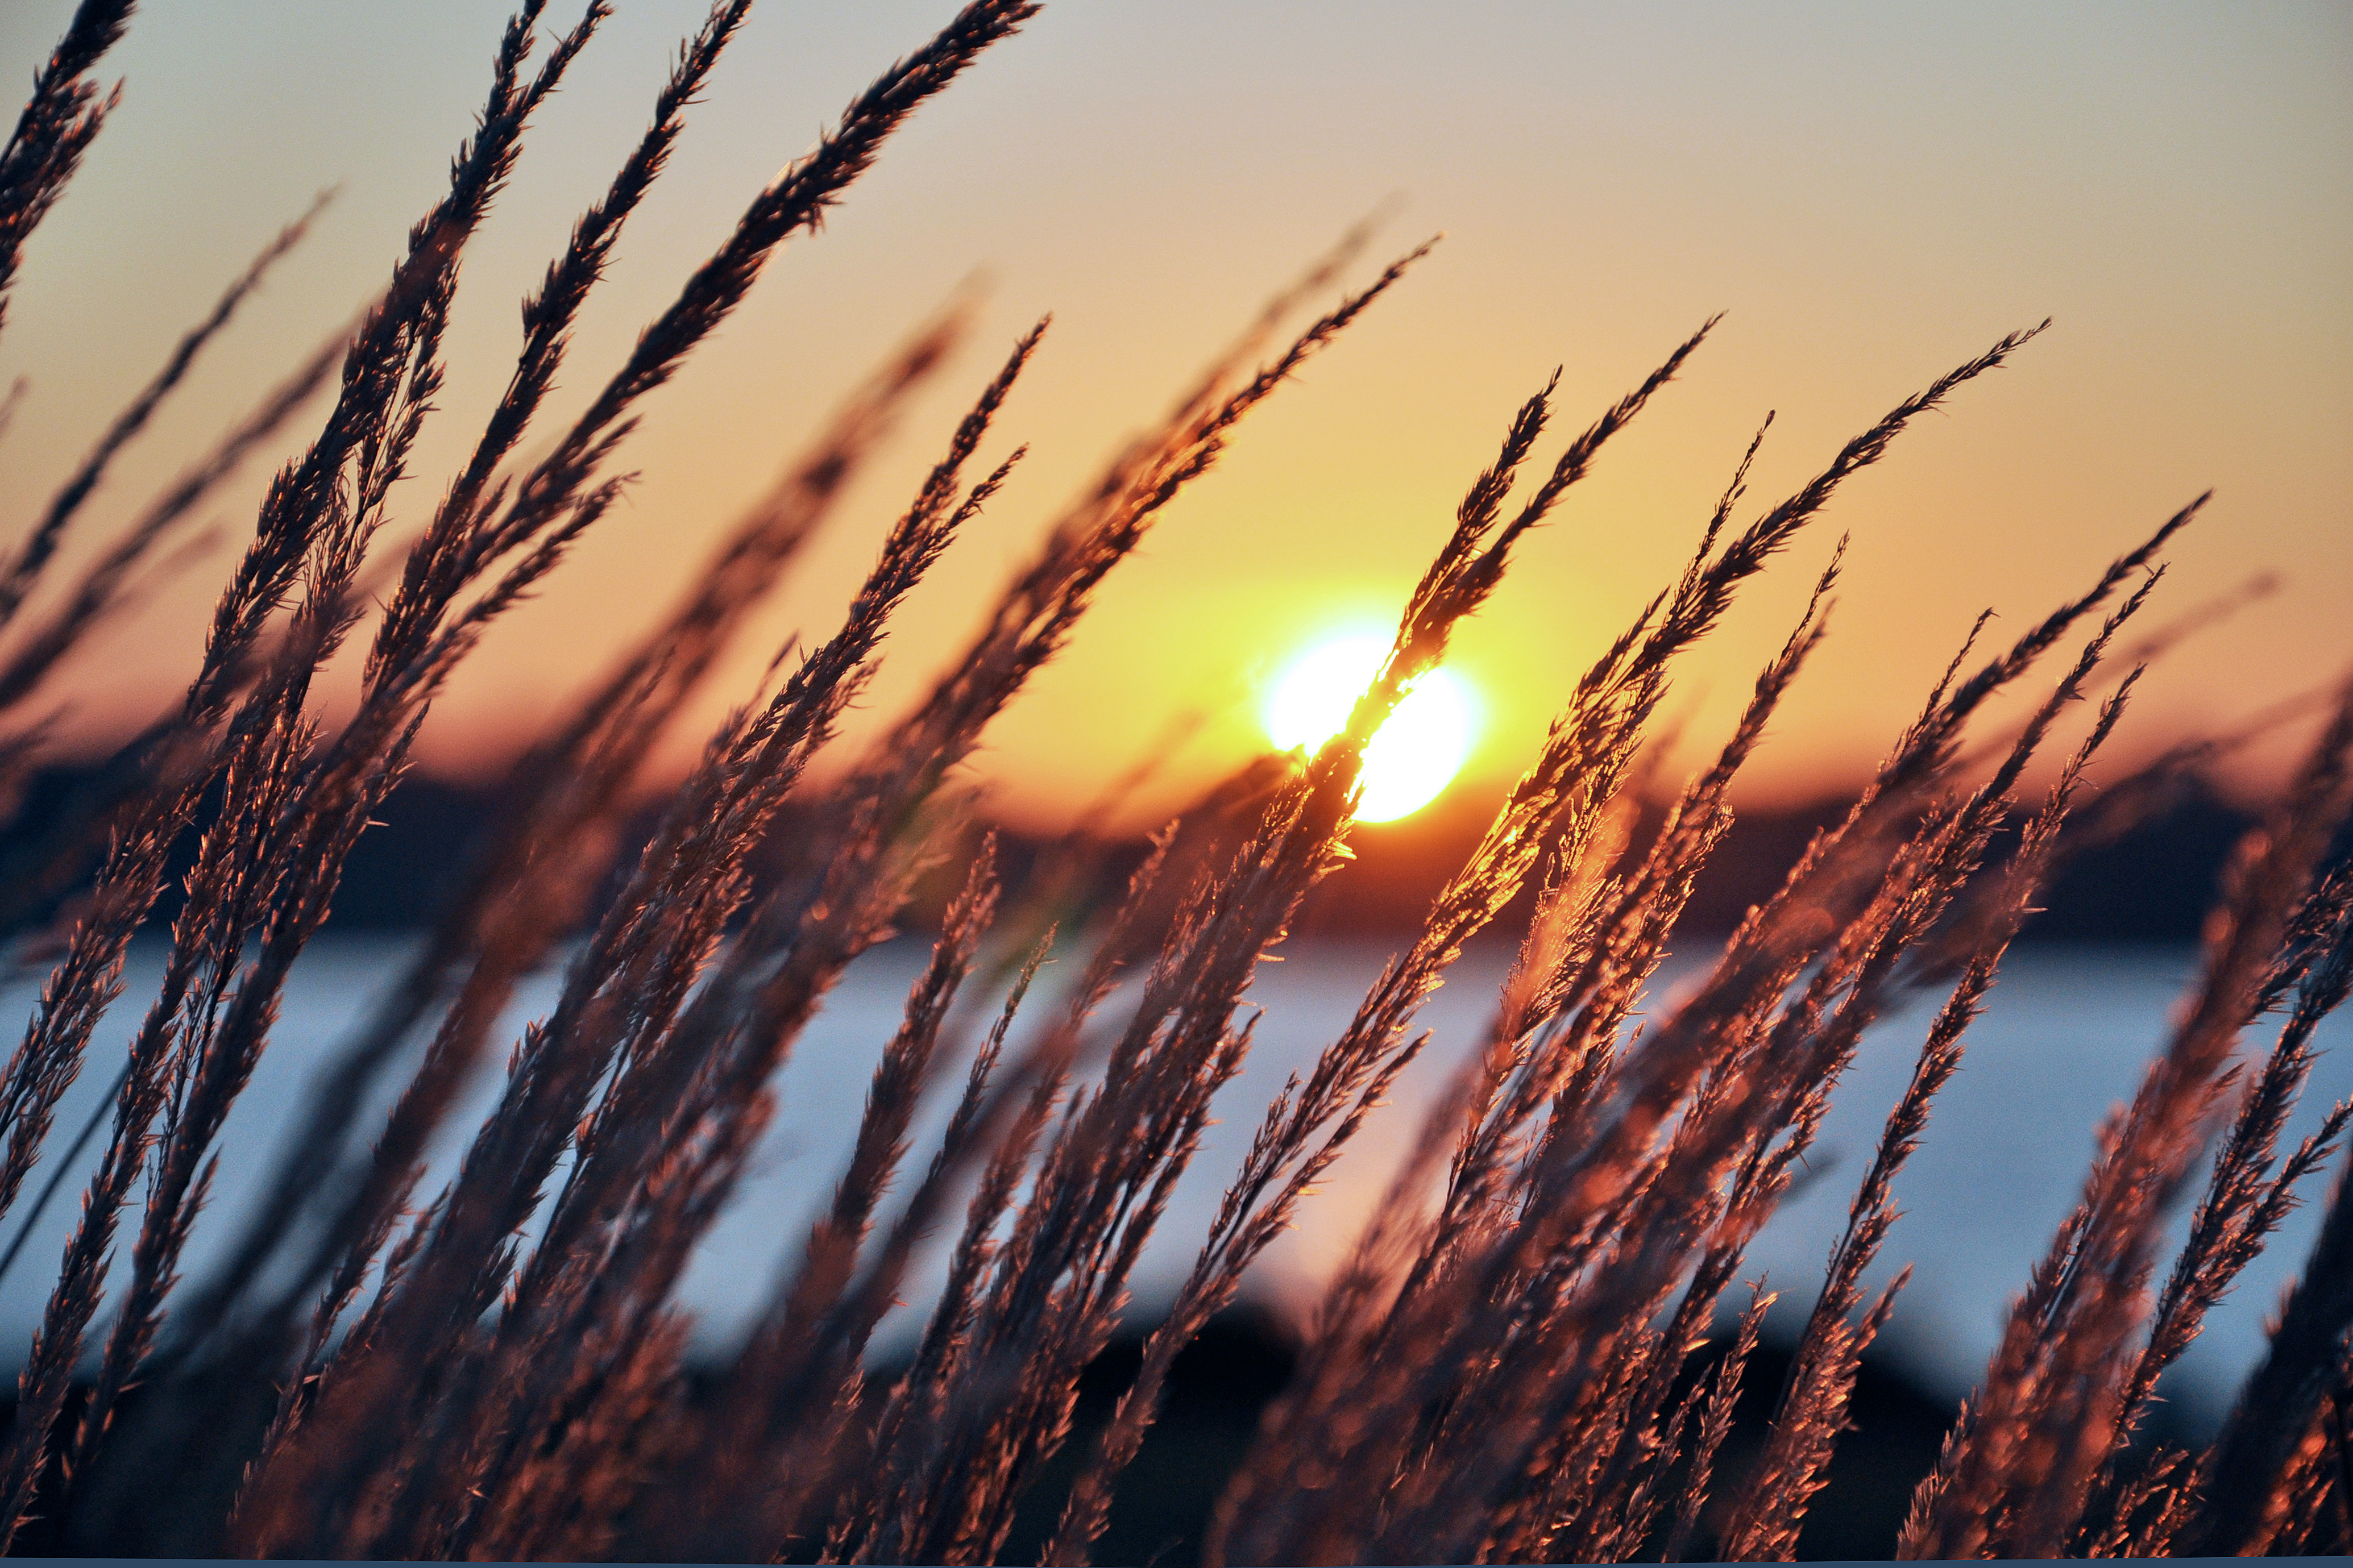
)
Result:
{"points": [[2065, 1038]]}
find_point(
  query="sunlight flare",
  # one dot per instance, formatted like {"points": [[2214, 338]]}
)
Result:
{"points": [[1413, 756]]}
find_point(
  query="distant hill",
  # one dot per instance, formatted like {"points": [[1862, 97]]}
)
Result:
{"points": [[2153, 884]]}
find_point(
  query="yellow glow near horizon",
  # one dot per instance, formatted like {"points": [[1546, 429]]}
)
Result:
{"points": [[1414, 756]]}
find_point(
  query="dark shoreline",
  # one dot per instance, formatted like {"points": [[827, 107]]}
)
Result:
{"points": [[2153, 883]]}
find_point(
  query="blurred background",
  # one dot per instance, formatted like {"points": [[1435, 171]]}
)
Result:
{"points": [[1871, 195]]}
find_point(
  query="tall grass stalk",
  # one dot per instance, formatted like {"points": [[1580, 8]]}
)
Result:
{"points": [[1502, 1370]]}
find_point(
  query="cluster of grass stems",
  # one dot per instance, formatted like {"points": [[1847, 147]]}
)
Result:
{"points": [[1504, 1368]]}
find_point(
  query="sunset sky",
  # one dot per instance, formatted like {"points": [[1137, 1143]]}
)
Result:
{"points": [[1871, 193]]}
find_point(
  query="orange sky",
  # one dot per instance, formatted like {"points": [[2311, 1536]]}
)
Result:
{"points": [[1871, 193]]}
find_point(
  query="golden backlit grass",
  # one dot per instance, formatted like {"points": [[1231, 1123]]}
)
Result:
{"points": [[1500, 1372]]}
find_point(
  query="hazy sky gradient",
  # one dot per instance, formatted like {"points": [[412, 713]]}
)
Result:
{"points": [[1871, 193]]}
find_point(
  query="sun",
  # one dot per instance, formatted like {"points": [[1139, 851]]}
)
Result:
{"points": [[1412, 757]]}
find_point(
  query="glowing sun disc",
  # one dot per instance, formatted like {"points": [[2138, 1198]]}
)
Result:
{"points": [[1413, 756]]}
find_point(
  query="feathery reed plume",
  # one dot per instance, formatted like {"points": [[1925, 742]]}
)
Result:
{"points": [[2248, 1193], [2281, 1399], [277, 876], [649, 942], [1107, 1175], [806, 1401], [420, 638], [1447, 1508], [545, 505], [798, 1366], [520, 897], [911, 761], [418, 641], [1715, 1425], [452, 554], [547, 319], [2023, 1457], [1812, 1408], [34, 873], [700, 1077], [1354, 1073], [316, 525], [1035, 614], [56, 127], [531, 881], [310, 522]]}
